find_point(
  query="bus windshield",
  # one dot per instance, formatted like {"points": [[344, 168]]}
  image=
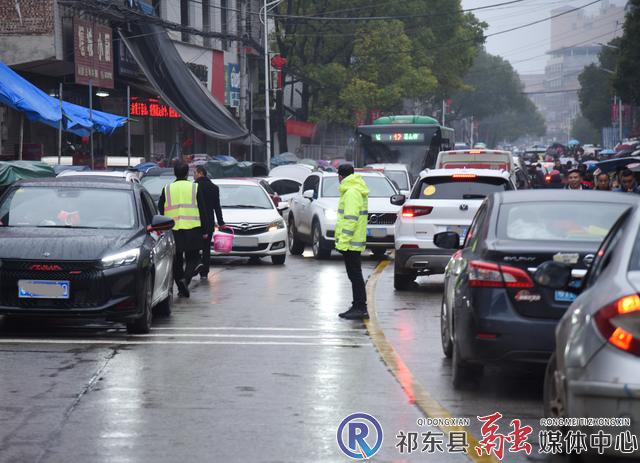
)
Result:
{"points": [[416, 146]]}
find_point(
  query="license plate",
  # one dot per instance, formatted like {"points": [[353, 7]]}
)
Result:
{"points": [[376, 232], [245, 242], [43, 289], [565, 296], [460, 230]]}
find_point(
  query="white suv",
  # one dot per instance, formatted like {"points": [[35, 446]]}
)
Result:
{"points": [[441, 200], [313, 214]]}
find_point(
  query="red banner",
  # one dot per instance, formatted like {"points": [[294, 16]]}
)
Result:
{"points": [[300, 128], [93, 51]]}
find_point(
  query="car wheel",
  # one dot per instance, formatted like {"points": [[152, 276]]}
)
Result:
{"points": [[445, 336], [163, 308], [279, 259], [552, 398], [296, 247], [463, 374], [142, 325], [379, 252], [320, 249], [402, 281]]}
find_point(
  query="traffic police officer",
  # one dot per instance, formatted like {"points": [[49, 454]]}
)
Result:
{"points": [[185, 204], [351, 235]]}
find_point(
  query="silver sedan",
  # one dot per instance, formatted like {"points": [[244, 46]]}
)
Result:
{"points": [[595, 370]]}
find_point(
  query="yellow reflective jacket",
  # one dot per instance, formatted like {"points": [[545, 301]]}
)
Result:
{"points": [[353, 212], [181, 204]]}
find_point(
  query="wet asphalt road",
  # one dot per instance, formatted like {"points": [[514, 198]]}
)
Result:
{"points": [[255, 366]]}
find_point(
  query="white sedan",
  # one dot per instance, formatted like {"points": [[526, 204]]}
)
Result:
{"points": [[258, 228]]}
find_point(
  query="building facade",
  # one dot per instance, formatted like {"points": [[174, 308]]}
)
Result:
{"points": [[46, 42]]}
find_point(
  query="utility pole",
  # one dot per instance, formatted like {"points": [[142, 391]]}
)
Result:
{"points": [[620, 118], [243, 64], [267, 90]]}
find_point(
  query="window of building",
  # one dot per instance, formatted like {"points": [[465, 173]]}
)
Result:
{"points": [[184, 18]]}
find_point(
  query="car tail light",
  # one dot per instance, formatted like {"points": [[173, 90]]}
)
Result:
{"points": [[619, 323], [409, 246], [490, 275], [547, 178], [416, 211], [464, 176]]}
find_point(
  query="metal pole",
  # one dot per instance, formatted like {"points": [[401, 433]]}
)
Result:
{"points": [[243, 65], [472, 131], [21, 135], [128, 125], [60, 126], [443, 110], [267, 120], [251, 126], [91, 119], [620, 117]]}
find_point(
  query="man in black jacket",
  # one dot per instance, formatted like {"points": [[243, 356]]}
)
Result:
{"points": [[188, 241], [212, 201]]}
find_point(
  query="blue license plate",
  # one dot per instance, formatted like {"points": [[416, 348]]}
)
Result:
{"points": [[565, 296], [376, 232], [43, 289]]}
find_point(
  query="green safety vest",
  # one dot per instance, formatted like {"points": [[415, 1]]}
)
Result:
{"points": [[181, 204], [351, 226]]}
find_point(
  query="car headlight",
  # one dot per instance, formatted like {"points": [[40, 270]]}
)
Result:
{"points": [[330, 215], [277, 225], [121, 258]]}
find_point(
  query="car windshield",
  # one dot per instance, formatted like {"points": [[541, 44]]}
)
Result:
{"points": [[462, 187], [399, 177], [155, 184], [379, 187], [558, 221], [68, 207], [244, 197]]}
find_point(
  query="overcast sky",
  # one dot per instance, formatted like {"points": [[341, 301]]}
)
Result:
{"points": [[524, 48]]}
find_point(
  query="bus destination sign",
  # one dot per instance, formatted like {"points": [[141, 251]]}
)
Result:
{"points": [[398, 137]]}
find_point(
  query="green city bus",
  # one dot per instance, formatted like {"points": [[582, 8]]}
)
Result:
{"points": [[411, 140]]}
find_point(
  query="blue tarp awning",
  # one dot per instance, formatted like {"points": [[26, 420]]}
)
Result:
{"points": [[22, 95]]}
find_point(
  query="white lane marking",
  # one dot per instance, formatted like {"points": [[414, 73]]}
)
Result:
{"points": [[250, 336], [167, 342], [255, 328]]}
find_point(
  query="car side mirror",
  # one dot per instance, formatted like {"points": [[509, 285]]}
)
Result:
{"points": [[398, 200], [308, 194], [282, 205], [447, 240], [554, 275], [161, 223]]}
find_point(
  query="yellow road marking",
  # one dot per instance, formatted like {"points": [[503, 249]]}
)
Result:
{"points": [[416, 393]]}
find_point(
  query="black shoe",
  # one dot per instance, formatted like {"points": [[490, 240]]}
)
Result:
{"points": [[183, 290], [354, 314]]}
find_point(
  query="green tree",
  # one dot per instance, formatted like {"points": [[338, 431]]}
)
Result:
{"points": [[494, 96], [596, 89], [627, 77], [350, 66]]}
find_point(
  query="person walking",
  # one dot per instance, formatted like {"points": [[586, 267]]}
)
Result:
{"points": [[351, 236], [184, 202], [574, 181], [628, 183], [603, 182], [213, 211]]}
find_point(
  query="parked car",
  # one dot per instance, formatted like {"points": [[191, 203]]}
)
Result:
{"points": [[64, 257], [298, 172], [397, 173], [155, 180], [286, 188], [492, 309], [258, 228], [441, 200], [126, 175], [594, 371], [313, 214]]}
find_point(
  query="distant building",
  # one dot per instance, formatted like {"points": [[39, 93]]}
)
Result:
{"points": [[576, 40]]}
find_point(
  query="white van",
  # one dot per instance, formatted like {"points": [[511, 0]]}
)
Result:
{"points": [[476, 159]]}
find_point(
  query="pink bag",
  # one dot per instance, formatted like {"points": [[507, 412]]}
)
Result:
{"points": [[223, 242]]}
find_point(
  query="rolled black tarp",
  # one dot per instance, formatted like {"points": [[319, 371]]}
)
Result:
{"points": [[166, 71]]}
